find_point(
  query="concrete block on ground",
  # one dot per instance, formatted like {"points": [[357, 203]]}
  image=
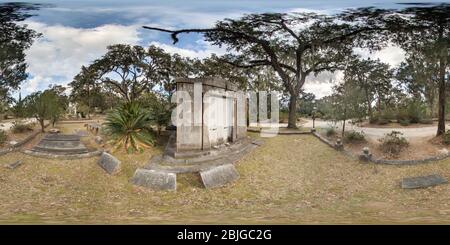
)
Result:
{"points": [[155, 179], [423, 181], [14, 165], [109, 163], [219, 176]]}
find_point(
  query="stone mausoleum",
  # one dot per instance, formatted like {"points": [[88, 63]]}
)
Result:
{"points": [[210, 136], [215, 111]]}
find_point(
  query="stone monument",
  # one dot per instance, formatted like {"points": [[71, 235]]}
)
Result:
{"points": [[210, 136]]}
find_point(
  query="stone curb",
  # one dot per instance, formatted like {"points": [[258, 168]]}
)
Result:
{"points": [[332, 145], [21, 143], [292, 132], [384, 161], [63, 157]]}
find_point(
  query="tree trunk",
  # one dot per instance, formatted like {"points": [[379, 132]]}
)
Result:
{"points": [[441, 99], [89, 102], [41, 122], [369, 106], [292, 121], [379, 104], [343, 123]]}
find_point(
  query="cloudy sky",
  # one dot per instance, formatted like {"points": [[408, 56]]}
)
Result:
{"points": [[77, 32]]}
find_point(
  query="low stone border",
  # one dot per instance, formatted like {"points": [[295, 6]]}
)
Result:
{"points": [[63, 157], [333, 145], [410, 162], [21, 143], [281, 132], [383, 161]]}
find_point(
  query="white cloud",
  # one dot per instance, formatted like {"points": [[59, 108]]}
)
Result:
{"points": [[205, 52], [322, 84], [392, 54], [62, 50]]}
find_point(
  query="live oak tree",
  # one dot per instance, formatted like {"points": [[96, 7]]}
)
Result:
{"points": [[247, 79], [419, 74], [373, 77], [14, 40], [426, 28], [295, 45], [130, 71], [85, 88]]}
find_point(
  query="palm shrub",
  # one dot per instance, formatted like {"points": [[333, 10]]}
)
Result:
{"points": [[129, 126]]}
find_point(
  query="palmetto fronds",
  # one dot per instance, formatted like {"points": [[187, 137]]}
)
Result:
{"points": [[128, 127]]}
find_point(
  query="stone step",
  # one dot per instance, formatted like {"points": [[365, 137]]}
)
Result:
{"points": [[62, 137], [60, 144], [60, 150]]}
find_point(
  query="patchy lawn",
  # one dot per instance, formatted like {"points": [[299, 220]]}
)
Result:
{"points": [[290, 179]]}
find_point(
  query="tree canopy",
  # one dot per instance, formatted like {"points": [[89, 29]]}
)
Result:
{"points": [[14, 40], [295, 45]]}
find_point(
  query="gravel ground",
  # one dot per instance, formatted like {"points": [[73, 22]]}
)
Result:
{"points": [[291, 179], [376, 133]]}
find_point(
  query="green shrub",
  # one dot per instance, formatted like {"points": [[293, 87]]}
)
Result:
{"points": [[415, 111], [354, 136], [129, 127], [426, 121], [404, 122], [388, 115], [402, 115], [330, 131], [18, 128], [382, 121], [446, 137], [2, 137], [393, 143], [374, 119]]}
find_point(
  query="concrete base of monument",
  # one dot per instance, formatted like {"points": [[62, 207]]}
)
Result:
{"points": [[215, 167]]}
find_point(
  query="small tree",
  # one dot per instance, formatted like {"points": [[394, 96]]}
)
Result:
{"points": [[159, 107], [19, 108], [43, 106], [348, 103]]}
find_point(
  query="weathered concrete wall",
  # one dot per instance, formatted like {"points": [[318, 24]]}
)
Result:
{"points": [[220, 116]]}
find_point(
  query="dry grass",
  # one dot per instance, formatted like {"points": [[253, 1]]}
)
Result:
{"points": [[290, 179]]}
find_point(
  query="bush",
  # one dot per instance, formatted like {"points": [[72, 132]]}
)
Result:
{"points": [[416, 111], [374, 119], [129, 127], [330, 132], [388, 114], [446, 137], [382, 121], [18, 128], [354, 136], [404, 122], [2, 137], [426, 121], [393, 143]]}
